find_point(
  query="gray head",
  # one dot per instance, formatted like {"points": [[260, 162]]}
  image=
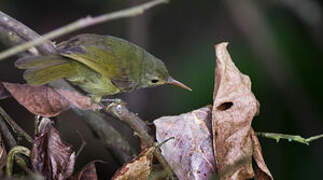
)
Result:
{"points": [[155, 73]]}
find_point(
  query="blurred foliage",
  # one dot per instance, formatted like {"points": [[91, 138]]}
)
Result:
{"points": [[183, 34]]}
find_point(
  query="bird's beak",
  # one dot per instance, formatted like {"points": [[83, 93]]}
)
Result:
{"points": [[177, 83]]}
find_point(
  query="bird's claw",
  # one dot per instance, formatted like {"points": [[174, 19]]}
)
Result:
{"points": [[112, 103]]}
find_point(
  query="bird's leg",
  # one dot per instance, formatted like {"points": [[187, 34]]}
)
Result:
{"points": [[107, 103]]}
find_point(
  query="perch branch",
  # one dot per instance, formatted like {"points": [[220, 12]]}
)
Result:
{"points": [[296, 138], [79, 24]]}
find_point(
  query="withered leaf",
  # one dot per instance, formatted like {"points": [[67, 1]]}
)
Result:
{"points": [[50, 156], [233, 110], [137, 169], [191, 154], [47, 101], [88, 172], [262, 172]]}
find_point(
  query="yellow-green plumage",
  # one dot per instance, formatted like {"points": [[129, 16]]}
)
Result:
{"points": [[100, 65]]}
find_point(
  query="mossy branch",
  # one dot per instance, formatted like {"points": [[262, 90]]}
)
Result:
{"points": [[296, 138]]}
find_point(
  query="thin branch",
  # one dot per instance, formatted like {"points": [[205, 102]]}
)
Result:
{"points": [[296, 138], [82, 23], [15, 127], [83, 144]]}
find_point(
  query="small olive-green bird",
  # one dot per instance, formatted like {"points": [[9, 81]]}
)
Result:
{"points": [[99, 65]]}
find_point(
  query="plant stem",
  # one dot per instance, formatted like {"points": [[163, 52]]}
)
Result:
{"points": [[296, 138], [11, 156]]}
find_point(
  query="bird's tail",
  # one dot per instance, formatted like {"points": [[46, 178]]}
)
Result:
{"points": [[44, 69]]}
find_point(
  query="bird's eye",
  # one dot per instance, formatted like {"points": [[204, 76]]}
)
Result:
{"points": [[154, 81]]}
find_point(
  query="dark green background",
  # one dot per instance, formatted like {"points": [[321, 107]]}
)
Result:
{"points": [[277, 43]]}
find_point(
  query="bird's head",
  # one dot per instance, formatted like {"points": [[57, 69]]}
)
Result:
{"points": [[155, 73]]}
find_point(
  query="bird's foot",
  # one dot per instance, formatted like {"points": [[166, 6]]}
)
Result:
{"points": [[109, 103]]}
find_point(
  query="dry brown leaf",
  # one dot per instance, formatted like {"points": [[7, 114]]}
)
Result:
{"points": [[88, 172], [47, 101], [233, 110], [137, 169], [262, 172], [190, 155], [50, 156]]}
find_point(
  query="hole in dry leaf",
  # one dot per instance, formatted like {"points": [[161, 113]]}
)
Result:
{"points": [[224, 106]]}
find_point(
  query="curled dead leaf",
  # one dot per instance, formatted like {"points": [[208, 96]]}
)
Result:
{"points": [[137, 169], [50, 156], [190, 155], [47, 101], [233, 110]]}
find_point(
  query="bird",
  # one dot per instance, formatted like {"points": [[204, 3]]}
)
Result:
{"points": [[101, 65]]}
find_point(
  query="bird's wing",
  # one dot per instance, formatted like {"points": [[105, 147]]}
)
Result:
{"points": [[93, 51]]}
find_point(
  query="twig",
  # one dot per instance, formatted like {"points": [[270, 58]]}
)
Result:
{"points": [[36, 124], [83, 144], [82, 23], [15, 127], [120, 111], [11, 142], [296, 138]]}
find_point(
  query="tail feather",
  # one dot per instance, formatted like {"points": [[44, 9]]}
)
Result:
{"points": [[33, 62], [41, 70]]}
